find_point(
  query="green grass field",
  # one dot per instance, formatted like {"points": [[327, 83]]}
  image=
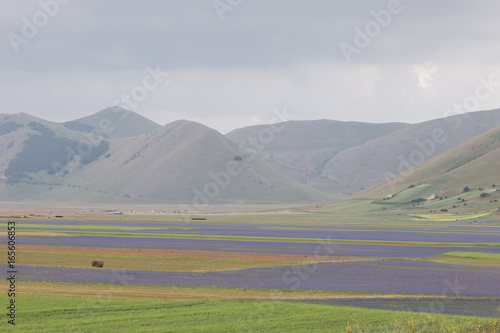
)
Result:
{"points": [[407, 195], [468, 258], [473, 255], [72, 314]]}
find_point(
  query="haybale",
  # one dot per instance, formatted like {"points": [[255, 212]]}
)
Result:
{"points": [[97, 263]]}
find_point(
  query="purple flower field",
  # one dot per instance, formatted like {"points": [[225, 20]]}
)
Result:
{"points": [[388, 276], [273, 247], [455, 235], [382, 276]]}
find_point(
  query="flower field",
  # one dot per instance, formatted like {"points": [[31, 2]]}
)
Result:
{"points": [[384, 277], [378, 262]]}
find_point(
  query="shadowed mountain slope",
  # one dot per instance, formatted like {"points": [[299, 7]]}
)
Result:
{"points": [[301, 149], [344, 158], [182, 162]]}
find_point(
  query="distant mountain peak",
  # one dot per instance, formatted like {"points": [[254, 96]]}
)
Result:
{"points": [[114, 122]]}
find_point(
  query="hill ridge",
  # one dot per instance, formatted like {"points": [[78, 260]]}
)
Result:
{"points": [[113, 122], [451, 171]]}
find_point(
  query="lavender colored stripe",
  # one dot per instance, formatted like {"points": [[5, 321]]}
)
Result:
{"points": [[250, 246], [334, 232], [389, 276]]}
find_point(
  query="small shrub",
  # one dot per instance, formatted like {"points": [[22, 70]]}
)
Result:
{"points": [[411, 325]]}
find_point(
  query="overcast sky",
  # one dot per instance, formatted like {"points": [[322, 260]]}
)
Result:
{"points": [[231, 62]]}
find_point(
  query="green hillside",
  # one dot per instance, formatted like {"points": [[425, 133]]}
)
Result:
{"points": [[461, 185], [474, 164], [363, 166]]}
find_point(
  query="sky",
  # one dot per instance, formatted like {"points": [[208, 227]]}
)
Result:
{"points": [[233, 63]]}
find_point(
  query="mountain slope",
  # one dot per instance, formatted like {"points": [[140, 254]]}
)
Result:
{"points": [[344, 158], [30, 145], [114, 123], [474, 164], [182, 162], [302, 148], [186, 162], [461, 184], [379, 159]]}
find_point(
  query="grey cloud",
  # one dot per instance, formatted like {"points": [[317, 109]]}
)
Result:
{"points": [[264, 54]]}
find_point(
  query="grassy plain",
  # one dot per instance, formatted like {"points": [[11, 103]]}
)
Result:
{"points": [[75, 314], [186, 293], [468, 258]]}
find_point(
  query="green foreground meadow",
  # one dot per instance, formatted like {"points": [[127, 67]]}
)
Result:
{"points": [[76, 314]]}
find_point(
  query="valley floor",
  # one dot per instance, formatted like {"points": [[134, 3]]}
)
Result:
{"points": [[303, 271]]}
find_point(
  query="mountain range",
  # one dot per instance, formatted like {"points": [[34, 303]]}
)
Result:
{"points": [[181, 162], [343, 158], [471, 166], [116, 155]]}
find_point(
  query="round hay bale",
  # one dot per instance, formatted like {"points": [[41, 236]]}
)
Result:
{"points": [[97, 263]]}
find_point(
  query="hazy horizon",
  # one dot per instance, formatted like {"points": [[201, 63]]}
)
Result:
{"points": [[230, 64]]}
